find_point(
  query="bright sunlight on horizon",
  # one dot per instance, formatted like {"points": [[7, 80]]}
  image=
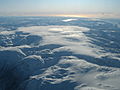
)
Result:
{"points": [[69, 8]]}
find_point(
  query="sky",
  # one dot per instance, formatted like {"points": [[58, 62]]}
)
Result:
{"points": [[85, 8]]}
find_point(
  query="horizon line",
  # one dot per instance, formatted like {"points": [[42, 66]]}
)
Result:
{"points": [[64, 15]]}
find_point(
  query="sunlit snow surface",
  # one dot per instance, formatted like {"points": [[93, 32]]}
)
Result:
{"points": [[59, 53]]}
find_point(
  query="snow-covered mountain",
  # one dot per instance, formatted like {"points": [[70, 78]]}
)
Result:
{"points": [[59, 53]]}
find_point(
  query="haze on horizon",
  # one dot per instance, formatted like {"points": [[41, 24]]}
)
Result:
{"points": [[83, 8]]}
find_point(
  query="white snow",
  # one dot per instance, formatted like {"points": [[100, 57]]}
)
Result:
{"points": [[30, 69], [72, 37], [62, 36], [68, 20]]}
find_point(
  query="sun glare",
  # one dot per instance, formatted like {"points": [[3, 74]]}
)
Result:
{"points": [[79, 15]]}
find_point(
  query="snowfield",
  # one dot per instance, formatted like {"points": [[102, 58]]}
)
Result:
{"points": [[60, 57]]}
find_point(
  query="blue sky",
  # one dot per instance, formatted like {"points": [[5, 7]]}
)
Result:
{"points": [[59, 7]]}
